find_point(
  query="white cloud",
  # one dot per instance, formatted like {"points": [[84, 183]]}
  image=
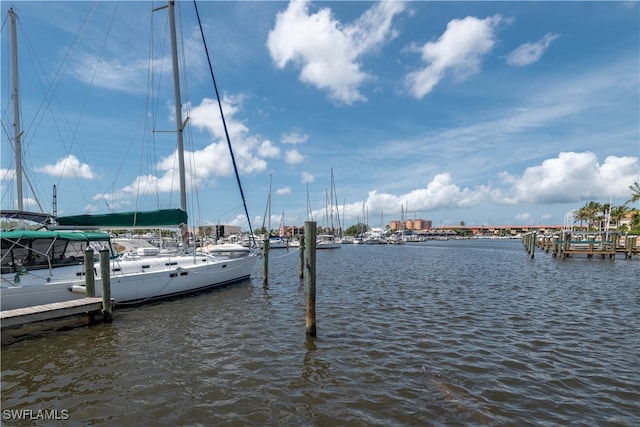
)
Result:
{"points": [[329, 53], [294, 138], [7, 174], [524, 217], [572, 177], [307, 178], [282, 191], [123, 64], [531, 52], [111, 73], [215, 159], [68, 167], [569, 178], [207, 116], [203, 165], [267, 149], [293, 157], [441, 192], [459, 49]]}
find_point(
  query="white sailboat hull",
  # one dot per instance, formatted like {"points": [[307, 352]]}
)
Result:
{"points": [[328, 245], [133, 281]]}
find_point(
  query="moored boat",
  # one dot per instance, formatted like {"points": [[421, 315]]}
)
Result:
{"points": [[40, 267]]}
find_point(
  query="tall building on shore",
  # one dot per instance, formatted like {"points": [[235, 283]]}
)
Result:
{"points": [[411, 224]]}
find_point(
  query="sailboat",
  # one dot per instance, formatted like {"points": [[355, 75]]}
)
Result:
{"points": [[275, 242], [40, 267], [329, 240]]}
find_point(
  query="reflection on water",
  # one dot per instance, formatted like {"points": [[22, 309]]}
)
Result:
{"points": [[443, 333]]}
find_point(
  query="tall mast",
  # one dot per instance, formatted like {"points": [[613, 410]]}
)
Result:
{"points": [[176, 92], [269, 205], [17, 133]]}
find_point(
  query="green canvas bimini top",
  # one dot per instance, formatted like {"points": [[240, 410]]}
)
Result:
{"points": [[134, 219], [16, 235]]}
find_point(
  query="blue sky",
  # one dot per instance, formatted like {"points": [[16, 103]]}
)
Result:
{"points": [[502, 113]]}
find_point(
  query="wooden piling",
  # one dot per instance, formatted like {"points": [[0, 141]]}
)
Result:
{"points": [[105, 276], [265, 265], [89, 274], [533, 244], [529, 242], [310, 276], [629, 245], [301, 272], [613, 244]]}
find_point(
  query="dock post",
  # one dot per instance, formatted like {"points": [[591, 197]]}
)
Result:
{"points": [[566, 244], [105, 275], [613, 244], [301, 272], [533, 244], [89, 274], [265, 265], [629, 245], [310, 276]]}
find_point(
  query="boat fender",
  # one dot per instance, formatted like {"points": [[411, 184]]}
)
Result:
{"points": [[78, 289]]}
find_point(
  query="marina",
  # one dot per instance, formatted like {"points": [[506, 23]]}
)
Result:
{"points": [[41, 262], [458, 332], [151, 299]]}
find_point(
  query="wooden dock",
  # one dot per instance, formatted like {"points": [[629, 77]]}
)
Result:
{"points": [[37, 313], [571, 243]]}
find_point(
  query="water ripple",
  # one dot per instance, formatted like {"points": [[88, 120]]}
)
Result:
{"points": [[444, 333]]}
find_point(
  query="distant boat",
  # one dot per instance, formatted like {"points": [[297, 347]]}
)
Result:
{"points": [[275, 242], [329, 240], [373, 240], [32, 273]]}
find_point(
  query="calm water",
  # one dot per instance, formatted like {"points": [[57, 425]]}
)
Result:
{"points": [[439, 333]]}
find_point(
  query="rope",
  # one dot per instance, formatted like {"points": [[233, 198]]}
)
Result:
{"points": [[224, 123], [289, 252]]}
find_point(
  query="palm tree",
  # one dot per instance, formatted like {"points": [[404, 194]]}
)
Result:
{"points": [[590, 212], [635, 192], [581, 215], [617, 212]]}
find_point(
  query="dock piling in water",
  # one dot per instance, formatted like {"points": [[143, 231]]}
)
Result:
{"points": [[265, 265], [310, 276], [105, 276], [529, 241], [301, 272], [89, 274]]}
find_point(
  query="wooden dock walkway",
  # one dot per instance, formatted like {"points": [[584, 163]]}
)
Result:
{"points": [[570, 243], [37, 313]]}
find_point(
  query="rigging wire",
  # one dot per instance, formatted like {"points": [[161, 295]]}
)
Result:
{"points": [[186, 105], [224, 123]]}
